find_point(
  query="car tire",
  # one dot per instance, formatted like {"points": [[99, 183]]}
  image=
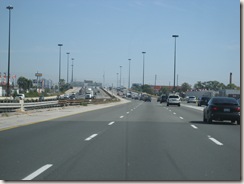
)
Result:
{"points": [[204, 119], [179, 105], [209, 120], [238, 122], [167, 104]]}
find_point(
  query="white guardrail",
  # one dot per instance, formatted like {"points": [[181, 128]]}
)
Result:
{"points": [[27, 105]]}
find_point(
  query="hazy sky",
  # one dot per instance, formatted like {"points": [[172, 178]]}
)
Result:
{"points": [[102, 35]]}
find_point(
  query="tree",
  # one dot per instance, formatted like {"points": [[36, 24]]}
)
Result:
{"points": [[164, 90], [185, 87], [23, 83], [209, 85], [231, 86], [199, 85], [147, 89], [64, 86]]}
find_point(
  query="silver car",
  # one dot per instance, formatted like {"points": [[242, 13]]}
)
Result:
{"points": [[192, 99], [173, 100]]}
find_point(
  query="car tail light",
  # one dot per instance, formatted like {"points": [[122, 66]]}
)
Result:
{"points": [[237, 109], [215, 108]]}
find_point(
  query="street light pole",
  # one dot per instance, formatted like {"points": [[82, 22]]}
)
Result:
{"points": [[8, 90], [129, 74], [143, 68], [59, 75], [67, 67], [120, 77], [175, 36], [117, 80], [72, 79]]}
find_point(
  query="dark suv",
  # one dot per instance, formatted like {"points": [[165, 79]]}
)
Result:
{"points": [[203, 100], [147, 98]]}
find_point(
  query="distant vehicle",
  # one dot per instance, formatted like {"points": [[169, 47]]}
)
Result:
{"points": [[222, 108], [147, 98], [20, 96], [135, 96], [192, 99], [66, 96], [203, 100], [163, 99], [128, 95], [88, 96], [141, 97], [72, 97], [123, 96], [173, 100]]}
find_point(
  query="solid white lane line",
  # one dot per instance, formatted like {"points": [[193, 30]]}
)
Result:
{"points": [[121, 116], [91, 137], [194, 126], [215, 141], [174, 113], [128, 112], [38, 172], [181, 117], [111, 123]]}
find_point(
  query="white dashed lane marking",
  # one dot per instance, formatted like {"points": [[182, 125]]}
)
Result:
{"points": [[215, 141], [194, 126], [111, 123], [91, 137], [38, 172]]}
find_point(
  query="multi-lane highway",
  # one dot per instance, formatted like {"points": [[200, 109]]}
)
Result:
{"points": [[134, 141]]}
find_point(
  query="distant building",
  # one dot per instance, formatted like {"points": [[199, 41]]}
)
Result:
{"points": [[42, 84], [230, 93]]}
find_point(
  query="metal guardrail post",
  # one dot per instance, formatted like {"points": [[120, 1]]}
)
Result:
{"points": [[21, 105]]}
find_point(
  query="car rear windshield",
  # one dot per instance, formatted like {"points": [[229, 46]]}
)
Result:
{"points": [[224, 101], [173, 96]]}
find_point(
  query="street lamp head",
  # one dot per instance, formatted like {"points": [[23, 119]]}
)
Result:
{"points": [[60, 44], [67, 53], [10, 7], [175, 36], [143, 52]]}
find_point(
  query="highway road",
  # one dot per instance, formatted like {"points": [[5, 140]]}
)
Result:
{"points": [[142, 141]]}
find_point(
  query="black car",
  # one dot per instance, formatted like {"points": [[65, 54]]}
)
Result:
{"points": [[203, 100], [163, 99], [222, 108], [147, 98]]}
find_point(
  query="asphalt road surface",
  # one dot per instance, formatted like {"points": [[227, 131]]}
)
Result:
{"points": [[141, 141]]}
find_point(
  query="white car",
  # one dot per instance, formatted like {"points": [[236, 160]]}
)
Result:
{"points": [[192, 99], [20, 96], [173, 100]]}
